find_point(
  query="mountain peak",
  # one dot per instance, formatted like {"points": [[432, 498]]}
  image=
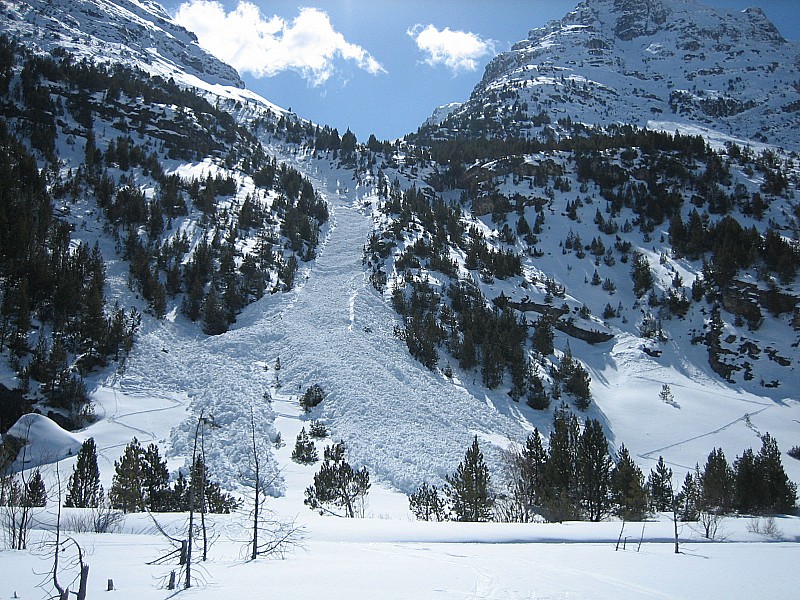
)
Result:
{"points": [[665, 63], [135, 32]]}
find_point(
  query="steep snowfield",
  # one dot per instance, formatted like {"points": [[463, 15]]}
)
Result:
{"points": [[403, 421]]}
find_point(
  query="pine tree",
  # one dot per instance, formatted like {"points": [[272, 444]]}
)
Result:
{"points": [[528, 484], [689, 499], [665, 395], [779, 494], [337, 485], [155, 479], [208, 495], [84, 489], [659, 484], [561, 489], [717, 483], [748, 482], [215, 319], [641, 274], [126, 491], [543, 335], [178, 497], [627, 487], [317, 430], [305, 452], [593, 470], [576, 379], [427, 504], [468, 488], [312, 397], [35, 490]]}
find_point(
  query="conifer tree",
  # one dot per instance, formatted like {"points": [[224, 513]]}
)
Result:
{"points": [[528, 476], [84, 489], [155, 479], [717, 483], [627, 487], [126, 491], [305, 452], [641, 274], [337, 485], [208, 495], [35, 490], [659, 484], [748, 482], [179, 494], [468, 488], [543, 335], [215, 319], [780, 494], [689, 499], [594, 470], [427, 503], [665, 395], [561, 498], [313, 396]]}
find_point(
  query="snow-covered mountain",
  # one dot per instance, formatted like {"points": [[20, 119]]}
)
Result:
{"points": [[336, 326], [132, 32], [658, 63]]}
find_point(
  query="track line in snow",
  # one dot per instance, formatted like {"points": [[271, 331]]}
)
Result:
{"points": [[745, 417]]}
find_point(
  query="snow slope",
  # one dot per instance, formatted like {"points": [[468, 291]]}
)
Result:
{"points": [[133, 32], [407, 425], [44, 442], [343, 559]]}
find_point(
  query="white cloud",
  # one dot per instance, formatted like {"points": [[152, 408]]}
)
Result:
{"points": [[456, 50], [264, 47]]}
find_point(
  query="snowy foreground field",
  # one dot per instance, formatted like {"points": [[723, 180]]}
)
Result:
{"points": [[390, 555], [379, 558]]}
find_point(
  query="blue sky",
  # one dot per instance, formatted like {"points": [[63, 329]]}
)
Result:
{"points": [[380, 66]]}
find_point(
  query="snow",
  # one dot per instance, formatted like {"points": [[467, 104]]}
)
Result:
{"points": [[361, 559], [45, 442], [408, 424]]}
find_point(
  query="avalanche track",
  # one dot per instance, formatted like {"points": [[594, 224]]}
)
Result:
{"points": [[404, 422]]}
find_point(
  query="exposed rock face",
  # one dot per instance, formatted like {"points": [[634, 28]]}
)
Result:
{"points": [[637, 18], [567, 326], [739, 302], [746, 300]]}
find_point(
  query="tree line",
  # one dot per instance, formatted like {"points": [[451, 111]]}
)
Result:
{"points": [[576, 478]]}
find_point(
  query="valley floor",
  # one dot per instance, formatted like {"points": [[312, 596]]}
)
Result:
{"points": [[374, 558]]}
